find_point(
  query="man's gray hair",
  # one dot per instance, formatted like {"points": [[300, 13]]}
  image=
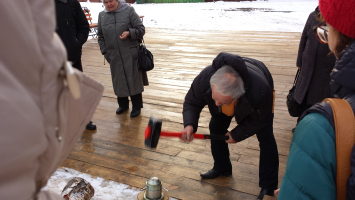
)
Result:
{"points": [[232, 85]]}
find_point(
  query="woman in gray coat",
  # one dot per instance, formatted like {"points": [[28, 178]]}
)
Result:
{"points": [[119, 29], [315, 64]]}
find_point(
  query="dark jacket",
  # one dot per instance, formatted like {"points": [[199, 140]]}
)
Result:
{"points": [[343, 86], [253, 111], [72, 27], [122, 55], [316, 65]]}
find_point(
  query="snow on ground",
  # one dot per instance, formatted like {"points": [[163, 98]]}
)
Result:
{"points": [[272, 15], [104, 190]]}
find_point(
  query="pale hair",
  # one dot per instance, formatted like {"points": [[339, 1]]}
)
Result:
{"points": [[228, 82]]}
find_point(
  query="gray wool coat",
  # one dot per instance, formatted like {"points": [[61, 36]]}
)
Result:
{"points": [[122, 55], [316, 65]]}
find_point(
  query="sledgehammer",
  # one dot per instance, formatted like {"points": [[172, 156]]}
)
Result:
{"points": [[153, 132]]}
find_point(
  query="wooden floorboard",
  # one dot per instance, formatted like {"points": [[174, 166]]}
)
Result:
{"points": [[116, 150]]}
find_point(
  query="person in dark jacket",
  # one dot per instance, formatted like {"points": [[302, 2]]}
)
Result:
{"points": [[315, 65], [119, 29], [73, 29], [241, 88], [311, 165]]}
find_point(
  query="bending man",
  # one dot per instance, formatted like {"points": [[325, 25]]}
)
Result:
{"points": [[243, 88]]}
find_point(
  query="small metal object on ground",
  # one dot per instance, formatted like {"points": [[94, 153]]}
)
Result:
{"points": [[78, 189], [153, 190], [141, 196]]}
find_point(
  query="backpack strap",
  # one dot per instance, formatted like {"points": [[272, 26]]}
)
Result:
{"points": [[345, 139]]}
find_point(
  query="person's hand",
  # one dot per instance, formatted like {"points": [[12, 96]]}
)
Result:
{"points": [[124, 35], [230, 140], [277, 191], [187, 134], [299, 67]]}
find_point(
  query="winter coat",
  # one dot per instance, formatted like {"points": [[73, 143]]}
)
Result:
{"points": [[316, 65], [30, 57], [38, 128], [122, 54], [311, 164], [253, 111], [72, 27]]}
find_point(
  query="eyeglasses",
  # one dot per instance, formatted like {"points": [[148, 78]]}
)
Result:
{"points": [[321, 32]]}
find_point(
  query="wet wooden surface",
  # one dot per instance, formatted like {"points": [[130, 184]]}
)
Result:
{"points": [[116, 150]]}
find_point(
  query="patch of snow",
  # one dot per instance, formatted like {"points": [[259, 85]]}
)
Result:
{"points": [[104, 190]]}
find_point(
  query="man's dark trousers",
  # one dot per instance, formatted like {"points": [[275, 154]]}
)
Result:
{"points": [[269, 158]]}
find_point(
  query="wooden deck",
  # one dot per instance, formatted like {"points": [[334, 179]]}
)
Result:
{"points": [[116, 151]]}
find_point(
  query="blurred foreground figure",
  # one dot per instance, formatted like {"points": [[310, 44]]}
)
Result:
{"points": [[311, 164], [39, 125]]}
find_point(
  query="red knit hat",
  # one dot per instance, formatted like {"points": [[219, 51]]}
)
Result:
{"points": [[340, 15]]}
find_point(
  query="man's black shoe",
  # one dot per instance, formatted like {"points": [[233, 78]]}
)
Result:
{"points": [[91, 126], [214, 174], [120, 110], [264, 192], [135, 113]]}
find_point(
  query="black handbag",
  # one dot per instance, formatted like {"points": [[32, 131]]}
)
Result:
{"points": [[145, 58], [293, 107]]}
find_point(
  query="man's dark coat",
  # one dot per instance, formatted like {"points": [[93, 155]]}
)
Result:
{"points": [[72, 27], [253, 111]]}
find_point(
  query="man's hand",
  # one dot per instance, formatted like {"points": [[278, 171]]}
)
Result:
{"points": [[230, 140], [187, 134], [124, 35], [299, 67]]}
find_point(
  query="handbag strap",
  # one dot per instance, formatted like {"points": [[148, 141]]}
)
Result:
{"points": [[296, 77], [141, 41], [345, 139]]}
